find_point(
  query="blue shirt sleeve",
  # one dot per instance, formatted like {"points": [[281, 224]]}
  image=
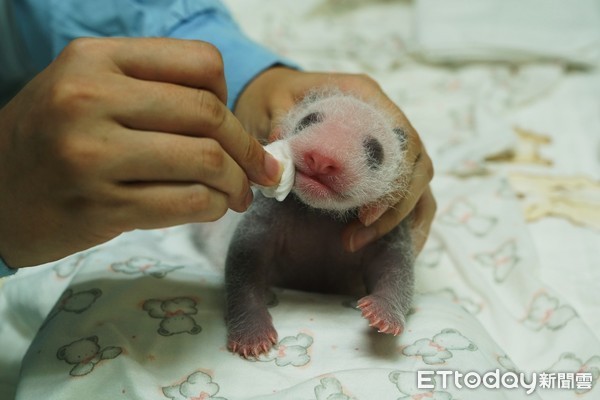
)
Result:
{"points": [[47, 26], [5, 270]]}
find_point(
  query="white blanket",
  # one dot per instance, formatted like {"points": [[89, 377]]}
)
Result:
{"points": [[508, 281], [508, 30]]}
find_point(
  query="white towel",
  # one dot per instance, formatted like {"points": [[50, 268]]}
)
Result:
{"points": [[282, 152], [508, 30]]}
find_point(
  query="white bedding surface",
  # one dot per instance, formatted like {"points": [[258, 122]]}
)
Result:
{"points": [[509, 280]]}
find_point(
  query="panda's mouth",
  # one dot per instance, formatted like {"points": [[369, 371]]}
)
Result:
{"points": [[317, 186]]}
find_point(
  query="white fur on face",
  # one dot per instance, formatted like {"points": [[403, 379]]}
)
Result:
{"points": [[357, 138]]}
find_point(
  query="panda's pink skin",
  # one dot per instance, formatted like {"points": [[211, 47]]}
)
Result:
{"points": [[346, 154]]}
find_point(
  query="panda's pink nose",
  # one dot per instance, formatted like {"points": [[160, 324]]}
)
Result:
{"points": [[320, 164]]}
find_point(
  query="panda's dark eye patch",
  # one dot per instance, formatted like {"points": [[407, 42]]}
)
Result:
{"points": [[373, 151], [401, 134], [308, 120]]}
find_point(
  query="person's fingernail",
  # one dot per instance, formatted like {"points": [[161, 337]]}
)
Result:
{"points": [[370, 218], [370, 215], [272, 168], [361, 237]]}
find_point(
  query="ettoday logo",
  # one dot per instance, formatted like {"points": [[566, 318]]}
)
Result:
{"points": [[506, 380]]}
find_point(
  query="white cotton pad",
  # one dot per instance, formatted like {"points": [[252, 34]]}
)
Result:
{"points": [[281, 151]]}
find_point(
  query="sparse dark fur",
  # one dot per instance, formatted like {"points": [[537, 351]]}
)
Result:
{"points": [[291, 245]]}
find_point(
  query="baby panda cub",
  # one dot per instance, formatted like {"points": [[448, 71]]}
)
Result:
{"points": [[346, 153]]}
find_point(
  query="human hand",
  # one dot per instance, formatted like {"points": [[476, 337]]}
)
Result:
{"points": [[273, 93], [116, 135]]}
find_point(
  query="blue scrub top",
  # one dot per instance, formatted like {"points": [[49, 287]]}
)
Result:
{"points": [[46, 26]]}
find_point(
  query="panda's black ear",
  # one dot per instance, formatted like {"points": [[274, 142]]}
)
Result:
{"points": [[401, 135], [400, 132]]}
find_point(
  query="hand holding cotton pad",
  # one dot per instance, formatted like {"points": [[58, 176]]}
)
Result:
{"points": [[281, 151]]}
